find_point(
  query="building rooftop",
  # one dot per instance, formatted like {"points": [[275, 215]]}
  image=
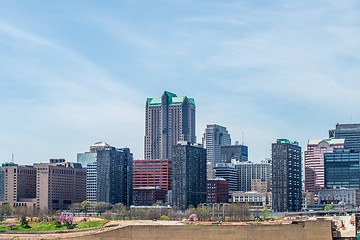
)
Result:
{"points": [[173, 99], [287, 141], [329, 141]]}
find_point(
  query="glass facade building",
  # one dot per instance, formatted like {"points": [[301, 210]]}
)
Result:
{"points": [[351, 133], [342, 169]]}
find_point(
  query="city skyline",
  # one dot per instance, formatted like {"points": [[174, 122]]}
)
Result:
{"points": [[79, 73]]}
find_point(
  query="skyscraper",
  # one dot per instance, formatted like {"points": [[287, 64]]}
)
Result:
{"points": [[247, 171], [168, 119], [351, 133], [109, 173], [189, 175], [214, 137], [236, 152], [314, 161], [286, 176]]}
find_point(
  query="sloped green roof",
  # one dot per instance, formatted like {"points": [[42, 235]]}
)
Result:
{"points": [[173, 99]]}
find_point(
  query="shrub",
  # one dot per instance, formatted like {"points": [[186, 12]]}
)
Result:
{"points": [[11, 225], [164, 217], [24, 222]]}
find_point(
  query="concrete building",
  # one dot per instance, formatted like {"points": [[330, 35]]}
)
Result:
{"points": [[340, 196], [314, 161], [236, 152], [259, 185], [286, 176], [20, 185], [351, 133], [189, 175], [229, 173], [214, 137], [217, 191], [59, 184], [257, 201], [168, 119], [342, 169], [247, 171], [109, 173]]}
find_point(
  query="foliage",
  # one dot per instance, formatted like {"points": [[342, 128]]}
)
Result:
{"points": [[101, 207], [193, 216], [329, 207], [11, 225], [164, 217], [265, 212], [67, 221], [47, 226], [85, 206], [24, 222]]}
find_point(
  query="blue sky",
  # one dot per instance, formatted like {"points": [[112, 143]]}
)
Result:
{"points": [[76, 72]]}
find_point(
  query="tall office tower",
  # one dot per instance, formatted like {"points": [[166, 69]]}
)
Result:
{"points": [[351, 133], [168, 119], [152, 173], [228, 173], [235, 152], [20, 185], [286, 176], [59, 184], [314, 161], [214, 137], [189, 175], [342, 169], [247, 171], [109, 173], [2, 183]]}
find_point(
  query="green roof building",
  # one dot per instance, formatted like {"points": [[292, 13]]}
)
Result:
{"points": [[168, 119]]}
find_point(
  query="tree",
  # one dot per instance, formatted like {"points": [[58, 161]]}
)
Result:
{"points": [[101, 207], [24, 222], [5, 210], [75, 207], [85, 207], [329, 207], [265, 212], [202, 213]]}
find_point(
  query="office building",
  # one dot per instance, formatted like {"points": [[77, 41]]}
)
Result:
{"points": [[231, 153], [286, 176], [228, 173], [59, 184], [152, 173], [168, 119], [349, 132], [109, 173], [217, 191], [147, 196], [247, 171], [189, 175], [340, 196], [20, 185], [314, 161], [342, 169], [214, 137], [257, 201], [259, 185]]}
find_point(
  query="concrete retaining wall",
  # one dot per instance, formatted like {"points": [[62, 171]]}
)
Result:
{"points": [[319, 230]]}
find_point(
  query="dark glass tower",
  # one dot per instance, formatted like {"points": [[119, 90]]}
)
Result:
{"points": [[286, 176], [189, 175], [351, 133]]}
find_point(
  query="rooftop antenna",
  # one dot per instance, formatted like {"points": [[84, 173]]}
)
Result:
{"points": [[243, 138], [12, 157], [351, 118]]}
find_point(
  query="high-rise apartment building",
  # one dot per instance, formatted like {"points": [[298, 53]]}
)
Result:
{"points": [[189, 175], [109, 173], [168, 119], [286, 176], [59, 184], [247, 171], [314, 161], [231, 153], [214, 137], [342, 169], [351, 133]]}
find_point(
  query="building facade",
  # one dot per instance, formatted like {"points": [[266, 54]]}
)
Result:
{"points": [[217, 191], [189, 175], [109, 173], [238, 153], [286, 176], [147, 196], [228, 173], [342, 169], [59, 184], [168, 119], [314, 161], [349, 132], [257, 201], [340, 196], [214, 137], [247, 171]]}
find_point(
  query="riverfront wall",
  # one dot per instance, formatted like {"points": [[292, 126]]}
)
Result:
{"points": [[310, 230]]}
